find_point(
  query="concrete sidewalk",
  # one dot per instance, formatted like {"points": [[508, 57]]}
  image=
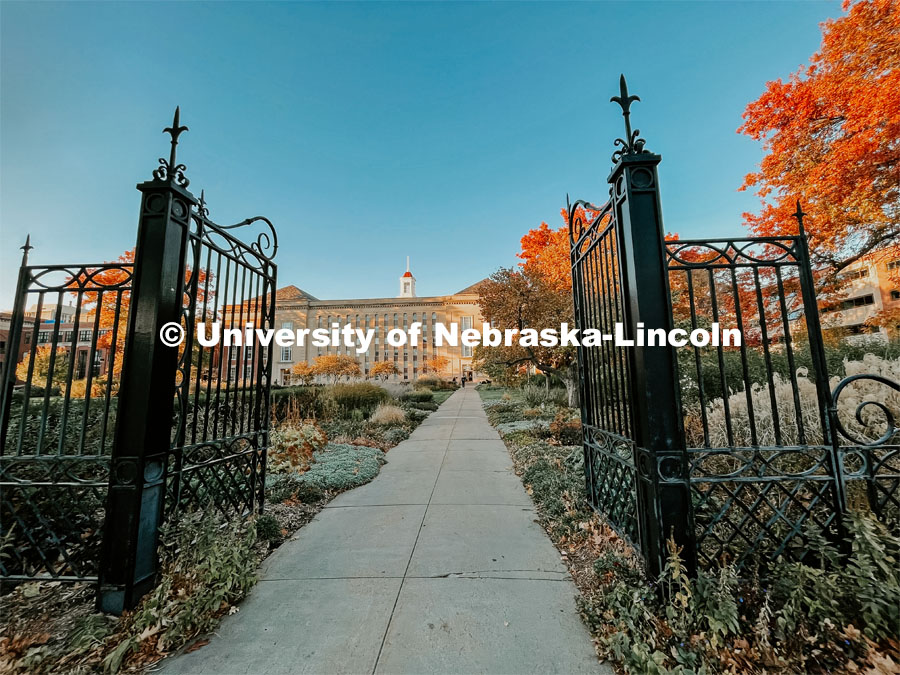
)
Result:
{"points": [[436, 566]]}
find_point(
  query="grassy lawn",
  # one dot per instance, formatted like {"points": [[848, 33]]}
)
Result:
{"points": [[441, 396], [491, 394]]}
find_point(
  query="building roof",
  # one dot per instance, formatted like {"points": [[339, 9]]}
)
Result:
{"points": [[292, 293], [407, 273], [471, 290]]}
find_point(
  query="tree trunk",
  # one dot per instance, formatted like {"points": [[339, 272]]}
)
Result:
{"points": [[571, 381]]}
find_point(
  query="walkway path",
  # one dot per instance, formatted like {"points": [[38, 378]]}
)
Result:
{"points": [[436, 566]]}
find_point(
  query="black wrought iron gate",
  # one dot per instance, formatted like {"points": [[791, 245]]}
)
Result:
{"points": [[732, 451], [106, 428]]}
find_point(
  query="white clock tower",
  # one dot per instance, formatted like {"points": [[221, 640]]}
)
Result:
{"points": [[407, 283]]}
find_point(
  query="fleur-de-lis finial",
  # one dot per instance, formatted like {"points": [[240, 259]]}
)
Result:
{"points": [[623, 99], [25, 249], [170, 170], [201, 206], [798, 214], [175, 131], [631, 144]]}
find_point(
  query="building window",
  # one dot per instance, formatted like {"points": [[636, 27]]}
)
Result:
{"points": [[286, 354], [857, 274], [465, 323], [893, 265], [287, 324], [850, 303], [43, 337], [861, 329], [895, 295], [84, 336]]}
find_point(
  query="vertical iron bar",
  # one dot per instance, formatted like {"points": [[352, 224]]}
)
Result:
{"points": [[764, 336], [789, 349], [697, 361]]}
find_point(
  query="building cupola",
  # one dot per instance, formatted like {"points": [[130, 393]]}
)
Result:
{"points": [[407, 283]]}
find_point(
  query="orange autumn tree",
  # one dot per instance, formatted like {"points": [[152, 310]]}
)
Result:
{"points": [[382, 370], [538, 295], [832, 139], [436, 365], [304, 372], [545, 253], [113, 306], [336, 366]]}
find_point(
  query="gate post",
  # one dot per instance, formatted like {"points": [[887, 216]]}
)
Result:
{"points": [[137, 483], [13, 343], [663, 489]]}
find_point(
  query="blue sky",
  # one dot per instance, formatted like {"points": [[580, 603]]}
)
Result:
{"points": [[369, 132]]}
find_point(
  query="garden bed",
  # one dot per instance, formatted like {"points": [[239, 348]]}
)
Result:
{"points": [[209, 564], [840, 616]]}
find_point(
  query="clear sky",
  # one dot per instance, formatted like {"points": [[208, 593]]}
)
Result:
{"points": [[369, 132]]}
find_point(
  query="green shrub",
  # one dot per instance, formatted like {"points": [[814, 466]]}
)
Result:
{"points": [[344, 428], [808, 620], [267, 528], [501, 412], [95, 443], [207, 565], [534, 395], [281, 487], [417, 396], [565, 430], [416, 415], [362, 396], [435, 383], [429, 382], [430, 406], [395, 435], [342, 466], [291, 446]]}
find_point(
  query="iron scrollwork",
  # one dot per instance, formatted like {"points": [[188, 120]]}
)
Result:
{"points": [[891, 428]]}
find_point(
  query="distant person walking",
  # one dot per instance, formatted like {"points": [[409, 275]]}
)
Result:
{"points": [[463, 381]]}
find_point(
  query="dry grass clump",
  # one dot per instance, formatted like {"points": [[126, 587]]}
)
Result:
{"points": [[387, 414], [870, 424]]}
